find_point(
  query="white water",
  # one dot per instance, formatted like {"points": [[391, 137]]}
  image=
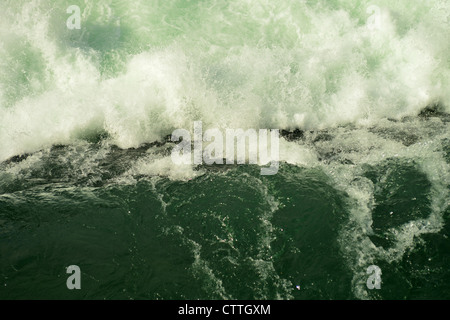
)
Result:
{"points": [[238, 64]]}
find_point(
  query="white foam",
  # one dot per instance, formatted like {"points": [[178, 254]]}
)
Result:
{"points": [[325, 70], [362, 147]]}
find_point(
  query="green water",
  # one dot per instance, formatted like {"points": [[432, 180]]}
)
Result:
{"points": [[365, 182]]}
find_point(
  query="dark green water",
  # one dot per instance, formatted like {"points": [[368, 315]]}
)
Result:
{"points": [[228, 233], [365, 182]]}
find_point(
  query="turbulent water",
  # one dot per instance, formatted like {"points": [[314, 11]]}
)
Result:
{"points": [[360, 91]]}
